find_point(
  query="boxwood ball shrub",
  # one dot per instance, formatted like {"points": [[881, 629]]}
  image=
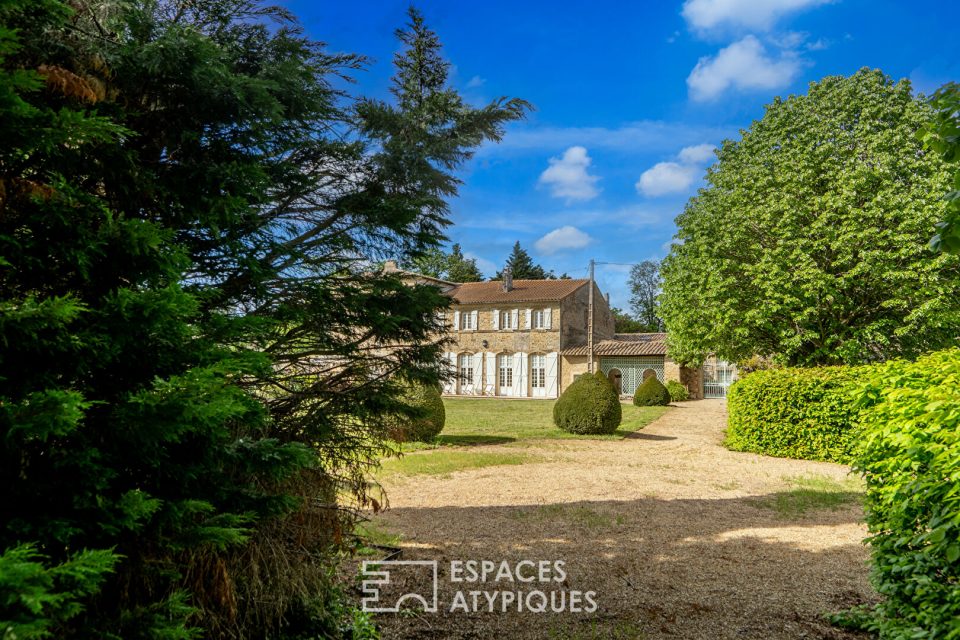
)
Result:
{"points": [[677, 391], [426, 403], [795, 413], [590, 405], [651, 393], [910, 459]]}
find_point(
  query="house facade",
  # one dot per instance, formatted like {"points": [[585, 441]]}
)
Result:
{"points": [[528, 339]]}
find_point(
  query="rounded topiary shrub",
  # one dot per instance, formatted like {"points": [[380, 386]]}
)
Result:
{"points": [[651, 393], [588, 406], [677, 391], [428, 416]]}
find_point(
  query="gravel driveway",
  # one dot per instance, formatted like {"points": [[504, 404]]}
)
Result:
{"points": [[677, 536]]}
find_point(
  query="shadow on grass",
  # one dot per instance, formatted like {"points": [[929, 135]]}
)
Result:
{"points": [[473, 441], [640, 435]]}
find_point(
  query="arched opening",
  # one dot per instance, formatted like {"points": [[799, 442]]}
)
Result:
{"points": [[616, 379], [648, 373], [505, 375], [466, 374]]}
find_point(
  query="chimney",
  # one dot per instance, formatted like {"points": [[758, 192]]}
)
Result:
{"points": [[607, 296], [507, 278]]}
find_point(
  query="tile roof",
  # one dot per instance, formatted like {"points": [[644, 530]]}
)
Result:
{"points": [[625, 344], [522, 291]]}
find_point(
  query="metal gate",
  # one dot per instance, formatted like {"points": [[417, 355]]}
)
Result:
{"points": [[718, 375], [631, 370]]}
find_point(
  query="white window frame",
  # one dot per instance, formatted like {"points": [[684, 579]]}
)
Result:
{"points": [[465, 368], [505, 371], [539, 319], [466, 321], [506, 320], [538, 371]]}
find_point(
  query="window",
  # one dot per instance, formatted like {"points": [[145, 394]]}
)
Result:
{"points": [[466, 320], [506, 319], [466, 368], [506, 371], [539, 318], [538, 371]]}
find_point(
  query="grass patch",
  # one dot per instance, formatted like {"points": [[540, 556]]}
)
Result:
{"points": [[444, 462], [370, 536], [481, 421], [813, 493]]}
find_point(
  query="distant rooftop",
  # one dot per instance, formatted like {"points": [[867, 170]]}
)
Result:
{"points": [[521, 291], [625, 344]]}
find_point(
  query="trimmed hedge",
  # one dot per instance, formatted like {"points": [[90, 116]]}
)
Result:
{"points": [[651, 393], [910, 458], [426, 403], [795, 413], [677, 391], [590, 405]]}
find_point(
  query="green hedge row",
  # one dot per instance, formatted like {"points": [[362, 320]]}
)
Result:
{"points": [[795, 413], [910, 459], [899, 423]]}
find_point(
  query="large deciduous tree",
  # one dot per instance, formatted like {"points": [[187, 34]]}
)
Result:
{"points": [[942, 134], [196, 355], [809, 241], [645, 286], [453, 266]]}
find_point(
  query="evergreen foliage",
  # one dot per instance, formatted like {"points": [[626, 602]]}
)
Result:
{"points": [[186, 386], [651, 393], [522, 266], [425, 418], [910, 459], [678, 392], [809, 241], [588, 406], [795, 413]]}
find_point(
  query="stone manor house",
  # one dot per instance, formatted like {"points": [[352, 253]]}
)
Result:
{"points": [[528, 339]]}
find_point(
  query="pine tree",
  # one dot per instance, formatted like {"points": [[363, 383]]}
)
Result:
{"points": [[522, 266], [186, 384]]}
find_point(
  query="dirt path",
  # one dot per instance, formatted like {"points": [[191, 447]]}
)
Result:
{"points": [[678, 537]]}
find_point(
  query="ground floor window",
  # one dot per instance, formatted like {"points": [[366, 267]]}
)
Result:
{"points": [[466, 368], [538, 371], [505, 365]]}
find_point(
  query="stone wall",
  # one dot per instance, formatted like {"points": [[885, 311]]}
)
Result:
{"points": [[571, 366], [574, 313], [520, 340]]}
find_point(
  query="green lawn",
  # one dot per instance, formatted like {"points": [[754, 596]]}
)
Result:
{"points": [[492, 421], [499, 421]]}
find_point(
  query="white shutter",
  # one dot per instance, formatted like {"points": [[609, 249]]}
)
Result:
{"points": [[478, 373], [529, 318], [552, 375], [519, 374], [490, 377], [456, 321], [476, 320], [548, 318], [516, 318], [496, 320], [450, 384]]}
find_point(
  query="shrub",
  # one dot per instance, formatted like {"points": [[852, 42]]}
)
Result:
{"points": [[616, 409], [651, 393], [426, 418], [588, 406], [677, 391], [795, 413], [910, 459]]}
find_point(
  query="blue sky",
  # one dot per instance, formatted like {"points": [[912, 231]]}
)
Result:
{"points": [[631, 98]]}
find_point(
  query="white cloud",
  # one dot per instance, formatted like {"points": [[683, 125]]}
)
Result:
{"points": [[476, 82], [697, 154], [704, 16], [568, 177], [560, 239], [665, 178], [744, 65]]}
